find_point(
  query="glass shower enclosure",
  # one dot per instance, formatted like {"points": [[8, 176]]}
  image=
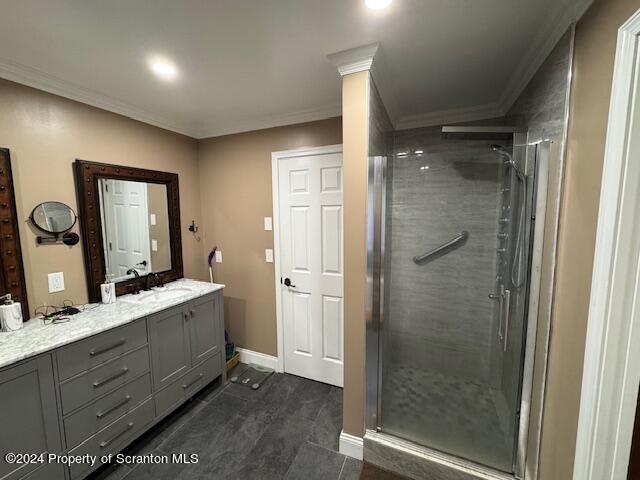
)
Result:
{"points": [[451, 223]]}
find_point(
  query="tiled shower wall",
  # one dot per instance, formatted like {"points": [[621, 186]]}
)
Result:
{"points": [[541, 110]]}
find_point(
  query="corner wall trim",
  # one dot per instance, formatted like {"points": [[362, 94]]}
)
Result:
{"points": [[351, 446], [262, 359]]}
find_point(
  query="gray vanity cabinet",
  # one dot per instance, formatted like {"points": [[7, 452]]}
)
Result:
{"points": [[97, 395], [28, 414], [169, 340], [204, 323], [186, 350]]}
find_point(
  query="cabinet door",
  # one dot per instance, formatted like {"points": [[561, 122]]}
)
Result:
{"points": [[28, 413], [205, 327], [169, 339]]}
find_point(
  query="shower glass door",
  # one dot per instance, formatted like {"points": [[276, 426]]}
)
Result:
{"points": [[456, 269]]}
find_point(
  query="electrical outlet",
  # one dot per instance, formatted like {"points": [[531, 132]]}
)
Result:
{"points": [[154, 245], [56, 282], [218, 256], [268, 255], [268, 223]]}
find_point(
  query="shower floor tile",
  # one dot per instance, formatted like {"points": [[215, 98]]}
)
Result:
{"points": [[446, 413]]}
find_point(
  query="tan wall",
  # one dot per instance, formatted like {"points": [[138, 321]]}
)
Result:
{"points": [[45, 134], [595, 45], [355, 115], [236, 195]]}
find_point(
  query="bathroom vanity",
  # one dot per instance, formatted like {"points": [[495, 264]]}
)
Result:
{"points": [[96, 383]]}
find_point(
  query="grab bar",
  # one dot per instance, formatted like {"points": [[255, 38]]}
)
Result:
{"points": [[461, 237]]}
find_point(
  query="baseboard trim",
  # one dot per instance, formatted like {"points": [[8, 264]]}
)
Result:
{"points": [[351, 446], [262, 359]]}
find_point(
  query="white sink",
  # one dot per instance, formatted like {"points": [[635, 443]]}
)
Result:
{"points": [[157, 295]]}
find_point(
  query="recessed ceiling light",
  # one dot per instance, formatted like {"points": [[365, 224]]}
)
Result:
{"points": [[419, 152], [163, 69], [377, 4]]}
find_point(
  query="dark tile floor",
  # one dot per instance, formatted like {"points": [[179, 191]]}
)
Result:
{"points": [[288, 429]]}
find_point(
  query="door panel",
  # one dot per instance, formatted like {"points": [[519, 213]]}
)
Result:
{"points": [[302, 323], [311, 256], [332, 328], [127, 223]]}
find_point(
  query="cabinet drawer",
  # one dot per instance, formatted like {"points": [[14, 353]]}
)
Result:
{"points": [[187, 385], [114, 437], [93, 351], [87, 421], [88, 386], [51, 471]]}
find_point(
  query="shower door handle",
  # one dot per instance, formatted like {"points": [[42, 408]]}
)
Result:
{"points": [[507, 308], [499, 297]]}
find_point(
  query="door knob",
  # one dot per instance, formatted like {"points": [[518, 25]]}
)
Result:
{"points": [[287, 283]]}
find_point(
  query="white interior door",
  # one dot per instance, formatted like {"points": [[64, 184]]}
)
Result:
{"points": [[311, 258], [126, 218]]}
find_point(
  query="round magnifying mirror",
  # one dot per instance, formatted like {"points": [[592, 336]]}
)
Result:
{"points": [[53, 217]]}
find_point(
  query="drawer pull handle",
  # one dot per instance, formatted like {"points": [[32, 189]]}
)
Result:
{"points": [[102, 350], [106, 443], [122, 402], [99, 383], [187, 385], [192, 313]]}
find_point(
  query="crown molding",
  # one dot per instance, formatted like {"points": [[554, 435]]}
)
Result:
{"points": [[368, 58], [304, 116], [40, 80], [540, 49], [354, 60], [455, 115]]}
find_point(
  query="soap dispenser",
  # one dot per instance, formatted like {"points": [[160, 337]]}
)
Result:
{"points": [[10, 315], [108, 290]]}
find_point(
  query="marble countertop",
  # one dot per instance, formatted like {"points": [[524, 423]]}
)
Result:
{"points": [[36, 337]]}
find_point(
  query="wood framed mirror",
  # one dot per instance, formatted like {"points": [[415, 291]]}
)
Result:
{"points": [[130, 221], [11, 268]]}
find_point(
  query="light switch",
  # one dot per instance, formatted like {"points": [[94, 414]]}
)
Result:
{"points": [[218, 256], [268, 255], [268, 223], [56, 282], [152, 218], [154, 244]]}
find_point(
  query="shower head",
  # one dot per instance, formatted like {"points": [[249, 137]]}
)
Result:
{"points": [[501, 151]]}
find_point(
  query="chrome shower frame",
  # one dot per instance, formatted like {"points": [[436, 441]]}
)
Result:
{"points": [[528, 429]]}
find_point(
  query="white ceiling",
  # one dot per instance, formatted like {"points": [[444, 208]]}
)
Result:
{"points": [[248, 64]]}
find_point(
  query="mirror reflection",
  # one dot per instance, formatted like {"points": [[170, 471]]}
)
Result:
{"points": [[135, 228], [53, 217]]}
